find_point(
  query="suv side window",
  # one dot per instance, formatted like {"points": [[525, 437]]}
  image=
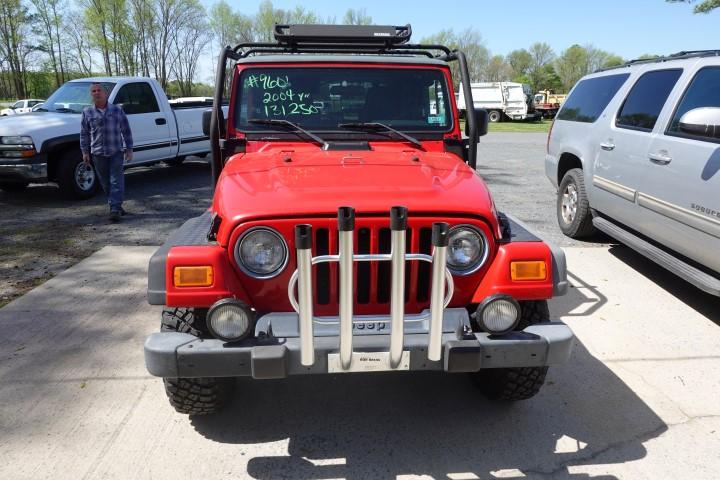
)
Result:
{"points": [[703, 91], [590, 97], [137, 98], [646, 98]]}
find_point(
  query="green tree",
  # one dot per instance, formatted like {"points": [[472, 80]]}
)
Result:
{"points": [[15, 34], [705, 6], [498, 70], [189, 40], [541, 54], [50, 16], [520, 62], [357, 17]]}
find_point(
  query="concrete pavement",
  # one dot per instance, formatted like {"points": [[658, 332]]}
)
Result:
{"points": [[639, 399]]}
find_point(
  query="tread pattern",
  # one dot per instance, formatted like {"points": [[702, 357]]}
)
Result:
{"points": [[513, 384], [193, 396]]}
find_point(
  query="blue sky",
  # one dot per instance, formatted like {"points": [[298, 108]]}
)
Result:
{"points": [[627, 28]]}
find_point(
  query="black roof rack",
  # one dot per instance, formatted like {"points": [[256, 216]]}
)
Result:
{"points": [[379, 35], [674, 56], [351, 39]]}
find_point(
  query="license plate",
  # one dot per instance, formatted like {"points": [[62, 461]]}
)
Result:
{"points": [[367, 362]]}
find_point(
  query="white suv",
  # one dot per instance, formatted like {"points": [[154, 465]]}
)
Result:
{"points": [[635, 153]]}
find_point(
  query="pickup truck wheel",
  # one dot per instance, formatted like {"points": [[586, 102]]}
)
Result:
{"points": [[573, 208], [512, 384], [494, 116], [75, 179], [174, 162], [13, 186], [193, 396]]}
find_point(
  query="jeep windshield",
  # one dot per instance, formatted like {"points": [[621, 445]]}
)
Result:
{"points": [[72, 97], [327, 99]]}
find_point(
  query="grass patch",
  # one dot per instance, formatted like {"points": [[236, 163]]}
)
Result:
{"points": [[519, 127]]}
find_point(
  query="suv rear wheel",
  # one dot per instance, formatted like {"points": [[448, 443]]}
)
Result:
{"points": [[512, 384], [573, 208], [193, 396]]}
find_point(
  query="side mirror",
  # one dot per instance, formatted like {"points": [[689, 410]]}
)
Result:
{"points": [[206, 116], [702, 122], [481, 121]]}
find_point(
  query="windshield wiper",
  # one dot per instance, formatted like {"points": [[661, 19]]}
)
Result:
{"points": [[286, 123], [65, 110], [41, 109], [381, 126]]}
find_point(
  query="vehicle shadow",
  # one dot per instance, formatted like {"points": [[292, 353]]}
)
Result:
{"points": [[361, 426], [704, 303]]}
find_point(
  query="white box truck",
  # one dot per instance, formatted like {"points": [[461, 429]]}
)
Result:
{"points": [[509, 100]]}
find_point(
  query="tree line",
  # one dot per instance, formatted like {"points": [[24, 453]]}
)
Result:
{"points": [[44, 43]]}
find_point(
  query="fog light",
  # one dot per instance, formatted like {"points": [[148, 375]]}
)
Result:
{"points": [[498, 314], [230, 320]]}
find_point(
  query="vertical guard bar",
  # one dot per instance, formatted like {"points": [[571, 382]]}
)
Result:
{"points": [[437, 294], [303, 245], [398, 225], [346, 225]]}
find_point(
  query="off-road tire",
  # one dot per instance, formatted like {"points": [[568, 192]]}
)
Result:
{"points": [[193, 396], [70, 161], [580, 225], [512, 384], [494, 116], [13, 186]]}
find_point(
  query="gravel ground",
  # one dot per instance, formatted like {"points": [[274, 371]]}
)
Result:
{"points": [[513, 165], [41, 234]]}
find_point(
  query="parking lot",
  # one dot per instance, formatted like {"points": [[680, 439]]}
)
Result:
{"points": [[637, 400]]}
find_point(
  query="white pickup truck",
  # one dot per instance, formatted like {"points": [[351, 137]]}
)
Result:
{"points": [[44, 146]]}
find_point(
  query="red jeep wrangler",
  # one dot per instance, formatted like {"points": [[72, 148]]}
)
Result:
{"points": [[349, 230]]}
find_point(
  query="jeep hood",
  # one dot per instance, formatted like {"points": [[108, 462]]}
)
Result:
{"points": [[40, 126], [307, 183]]}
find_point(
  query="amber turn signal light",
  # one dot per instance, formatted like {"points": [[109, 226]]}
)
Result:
{"points": [[193, 276], [534, 270]]}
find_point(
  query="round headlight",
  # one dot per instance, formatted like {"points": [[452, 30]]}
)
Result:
{"points": [[467, 250], [498, 314], [230, 320], [261, 253]]}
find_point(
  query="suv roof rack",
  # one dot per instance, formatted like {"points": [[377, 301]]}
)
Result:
{"points": [[667, 58]]}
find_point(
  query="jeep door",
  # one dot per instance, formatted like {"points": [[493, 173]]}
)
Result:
{"points": [[680, 193], [149, 125], [621, 163]]}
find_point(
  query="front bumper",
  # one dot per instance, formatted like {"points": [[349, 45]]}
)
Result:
{"points": [[33, 172], [171, 354]]}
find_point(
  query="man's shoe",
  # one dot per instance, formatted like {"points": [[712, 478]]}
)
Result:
{"points": [[114, 216]]}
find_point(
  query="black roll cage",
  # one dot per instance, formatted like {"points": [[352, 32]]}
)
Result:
{"points": [[334, 39]]}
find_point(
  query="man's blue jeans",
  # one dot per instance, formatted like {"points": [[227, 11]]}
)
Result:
{"points": [[112, 179]]}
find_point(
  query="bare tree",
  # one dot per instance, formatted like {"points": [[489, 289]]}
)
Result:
{"points": [[50, 19], [190, 39], [78, 48]]}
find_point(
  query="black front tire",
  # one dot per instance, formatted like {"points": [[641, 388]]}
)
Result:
{"points": [[494, 116], [573, 207], [13, 186], [513, 384], [193, 396], [75, 179]]}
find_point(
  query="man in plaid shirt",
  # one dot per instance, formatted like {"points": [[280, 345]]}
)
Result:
{"points": [[104, 129]]}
